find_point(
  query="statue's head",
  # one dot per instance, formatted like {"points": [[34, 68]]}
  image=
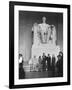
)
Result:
{"points": [[44, 19]]}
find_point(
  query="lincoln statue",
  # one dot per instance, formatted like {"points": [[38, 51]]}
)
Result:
{"points": [[43, 32]]}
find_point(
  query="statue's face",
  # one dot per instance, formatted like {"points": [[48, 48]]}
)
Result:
{"points": [[44, 19]]}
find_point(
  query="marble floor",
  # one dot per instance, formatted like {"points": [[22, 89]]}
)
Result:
{"points": [[44, 74]]}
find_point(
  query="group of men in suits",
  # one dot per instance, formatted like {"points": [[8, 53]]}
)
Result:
{"points": [[48, 63], [45, 63]]}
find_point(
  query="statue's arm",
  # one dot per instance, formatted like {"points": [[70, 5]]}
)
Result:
{"points": [[38, 31], [39, 27], [48, 29], [54, 32]]}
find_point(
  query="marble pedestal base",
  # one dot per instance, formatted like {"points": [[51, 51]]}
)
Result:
{"points": [[45, 48]]}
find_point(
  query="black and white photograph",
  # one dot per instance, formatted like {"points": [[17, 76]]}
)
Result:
{"points": [[40, 44]]}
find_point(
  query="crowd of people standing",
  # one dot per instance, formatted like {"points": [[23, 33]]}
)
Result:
{"points": [[43, 64], [48, 63]]}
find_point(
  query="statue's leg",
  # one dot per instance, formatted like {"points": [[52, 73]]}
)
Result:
{"points": [[43, 37], [48, 35]]}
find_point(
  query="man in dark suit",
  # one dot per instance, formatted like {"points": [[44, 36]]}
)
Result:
{"points": [[21, 69], [48, 62], [59, 65], [44, 62], [40, 63], [53, 65]]}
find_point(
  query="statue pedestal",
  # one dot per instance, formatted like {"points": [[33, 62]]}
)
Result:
{"points": [[45, 48]]}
